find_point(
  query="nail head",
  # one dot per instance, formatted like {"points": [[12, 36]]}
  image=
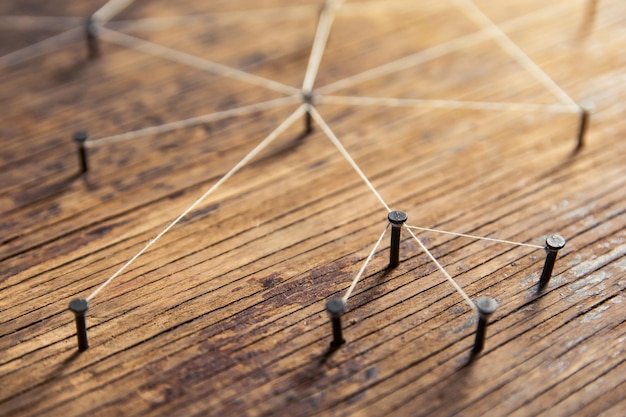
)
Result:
{"points": [[79, 306], [397, 217], [555, 242], [486, 305], [335, 307], [81, 137]]}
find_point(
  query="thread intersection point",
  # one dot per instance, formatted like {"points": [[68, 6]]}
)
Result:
{"points": [[307, 97], [397, 218]]}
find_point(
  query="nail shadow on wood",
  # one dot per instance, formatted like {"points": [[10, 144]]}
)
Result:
{"points": [[454, 388], [276, 153], [473, 357], [564, 164], [72, 72], [46, 191], [316, 368], [372, 292], [48, 381]]}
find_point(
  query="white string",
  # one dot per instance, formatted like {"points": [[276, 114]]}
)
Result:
{"points": [[155, 23], [319, 44], [316, 52], [367, 261], [443, 270], [262, 145], [318, 118], [405, 62], [39, 22], [475, 14], [194, 61], [447, 104], [180, 124], [434, 52], [37, 49], [510, 242], [110, 10]]}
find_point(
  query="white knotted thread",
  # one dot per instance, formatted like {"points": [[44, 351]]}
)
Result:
{"points": [[110, 9], [367, 261], [39, 22], [262, 145], [437, 51], [158, 23], [448, 104], [39, 48], [194, 121], [443, 271], [319, 44], [490, 239], [193, 61], [326, 129], [475, 14]]}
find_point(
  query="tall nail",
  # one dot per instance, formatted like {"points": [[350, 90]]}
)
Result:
{"points": [[335, 308], [582, 128], [80, 138], [91, 36], [308, 119], [553, 244], [397, 219], [486, 306], [79, 307]]}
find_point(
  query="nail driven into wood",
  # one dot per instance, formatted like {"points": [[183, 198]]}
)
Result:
{"points": [[80, 138], [335, 308], [397, 219], [79, 307], [91, 36], [486, 306], [308, 119], [582, 129], [554, 243]]}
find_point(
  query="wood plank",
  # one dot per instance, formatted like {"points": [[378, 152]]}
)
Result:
{"points": [[224, 315]]}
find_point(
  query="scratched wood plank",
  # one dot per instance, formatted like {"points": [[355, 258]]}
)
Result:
{"points": [[225, 314]]}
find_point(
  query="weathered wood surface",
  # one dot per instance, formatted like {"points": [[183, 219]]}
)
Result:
{"points": [[225, 314]]}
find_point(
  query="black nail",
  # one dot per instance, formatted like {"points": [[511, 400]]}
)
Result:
{"points": [[486, 307], [308, 122], [553, 244], [335, 308], [397, 219], [79, 307], [80, 138], [91, 35], [582, 128], [308, 119]]}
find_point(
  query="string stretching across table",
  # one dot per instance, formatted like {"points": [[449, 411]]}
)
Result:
{"points": [[488, 29]]}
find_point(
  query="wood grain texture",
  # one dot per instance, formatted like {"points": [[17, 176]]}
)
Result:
{"points": [[225, 314]]}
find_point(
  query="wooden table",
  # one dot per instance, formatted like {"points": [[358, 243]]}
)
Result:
{"points": [[463, 114]]}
